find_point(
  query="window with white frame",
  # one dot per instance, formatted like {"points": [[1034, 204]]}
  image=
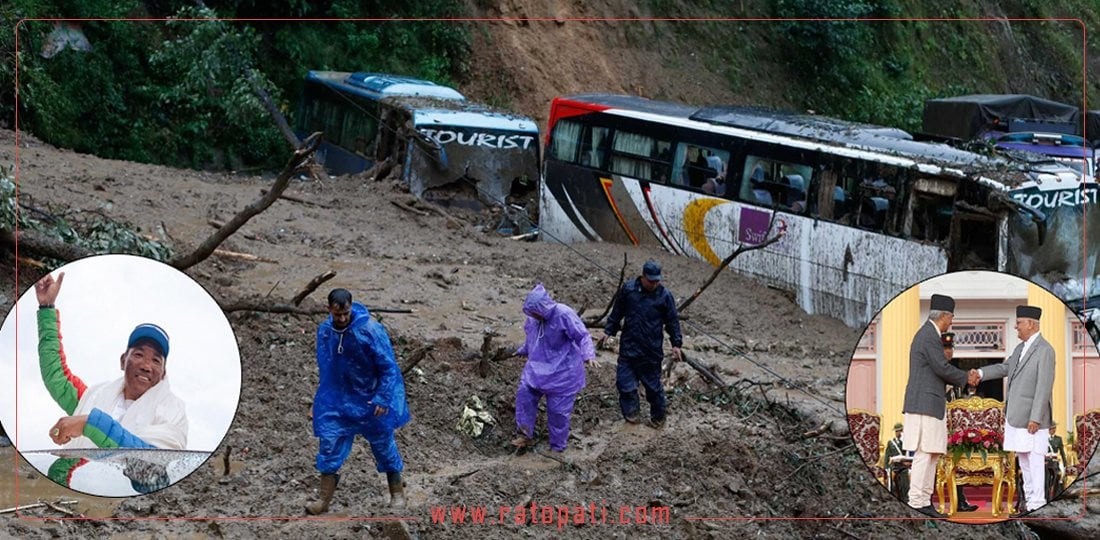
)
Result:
{"points": [[979, 336]]}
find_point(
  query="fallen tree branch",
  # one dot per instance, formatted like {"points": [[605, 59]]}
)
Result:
{"points": [[451, 221], [615, 295], [31, 262], [312, 286], [266, 306], [302, 155], [57, 508], [38, 504], [242, 256], [289, 308], [464, 475], [416, 357], [380, 169], [298, 200], [707, 374], [410, 209], [44, 246], [741, 248], [814, 459]]}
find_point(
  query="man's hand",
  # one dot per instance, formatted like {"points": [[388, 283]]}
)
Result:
{"points": [[589, 363], [1032, 427], [973, 378], [602, 340], [69, 427], [380, 410], [47, 288], [677, 354]]}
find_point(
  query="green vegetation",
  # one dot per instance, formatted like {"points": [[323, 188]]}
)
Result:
{"points": [[182, 92], [91, 231]]}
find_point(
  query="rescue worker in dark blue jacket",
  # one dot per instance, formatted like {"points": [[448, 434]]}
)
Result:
{"points": [[642, 308], [361, 391]]}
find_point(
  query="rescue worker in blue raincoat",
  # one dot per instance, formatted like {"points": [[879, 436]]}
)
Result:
{"points": [[361, 391], [641, 309], [557, 347]]}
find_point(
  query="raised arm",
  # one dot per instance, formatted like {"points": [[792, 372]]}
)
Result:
{"points": [[64, 387]]}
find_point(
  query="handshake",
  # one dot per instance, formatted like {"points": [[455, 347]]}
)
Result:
{"points": [[973, 378]]}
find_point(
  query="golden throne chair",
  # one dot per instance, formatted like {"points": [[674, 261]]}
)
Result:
{"points": [[997, 470]]}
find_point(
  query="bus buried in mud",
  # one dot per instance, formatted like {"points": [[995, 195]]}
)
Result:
{"points": [[433, 134], [865, 211]]}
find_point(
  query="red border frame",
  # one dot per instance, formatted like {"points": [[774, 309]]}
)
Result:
{"points": [[1084, 234]]}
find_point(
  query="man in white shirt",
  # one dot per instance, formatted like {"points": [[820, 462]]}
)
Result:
{"points": [[1030, 374]]}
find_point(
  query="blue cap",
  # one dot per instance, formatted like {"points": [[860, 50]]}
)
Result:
{"points": [[652, 270], [152, 332]]}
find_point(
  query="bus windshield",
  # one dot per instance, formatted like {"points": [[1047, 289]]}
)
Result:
{"points": [[1051, 254], [497, 152]]}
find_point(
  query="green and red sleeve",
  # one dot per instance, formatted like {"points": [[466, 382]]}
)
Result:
{"points": [[65, 388], [61, 471]]}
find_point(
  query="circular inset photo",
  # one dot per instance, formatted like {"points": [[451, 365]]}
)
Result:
{"points": [[966, 396], [127, 375]]}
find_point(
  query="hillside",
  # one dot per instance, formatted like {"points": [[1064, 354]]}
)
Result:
{"points": [[867, 71]]}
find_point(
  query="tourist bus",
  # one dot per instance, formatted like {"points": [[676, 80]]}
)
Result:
{"points": [[434, 134], [865, 211]]}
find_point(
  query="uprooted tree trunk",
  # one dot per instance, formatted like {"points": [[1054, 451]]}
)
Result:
{"points": [[294, 306], [43, 246], [300, 158]]}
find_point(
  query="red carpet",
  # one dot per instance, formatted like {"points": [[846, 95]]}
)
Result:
{"points": [[982, 497]]}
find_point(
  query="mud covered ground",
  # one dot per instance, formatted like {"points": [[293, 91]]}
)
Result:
{"points": [[718, 457]]}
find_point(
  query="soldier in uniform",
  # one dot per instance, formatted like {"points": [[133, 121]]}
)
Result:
{"points": [[898, 469]]}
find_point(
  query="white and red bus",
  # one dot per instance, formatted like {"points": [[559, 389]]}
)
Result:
{"points": [[866, 211]]}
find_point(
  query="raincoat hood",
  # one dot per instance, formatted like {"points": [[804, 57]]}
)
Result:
{"points": [[538, 303]]}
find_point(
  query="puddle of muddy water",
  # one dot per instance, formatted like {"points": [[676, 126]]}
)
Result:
{"points": [[33, 486]]}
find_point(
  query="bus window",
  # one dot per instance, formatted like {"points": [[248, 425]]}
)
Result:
{"points": [[770, 182], [567, 136], [594, 147], [876, 205], [700, 167], [638, 156], [357, 133]]}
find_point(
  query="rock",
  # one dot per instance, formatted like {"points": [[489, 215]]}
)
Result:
{"points": [[397, 530]]}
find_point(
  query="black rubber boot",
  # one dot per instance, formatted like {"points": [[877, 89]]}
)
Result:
{"points": [[397, 489]]}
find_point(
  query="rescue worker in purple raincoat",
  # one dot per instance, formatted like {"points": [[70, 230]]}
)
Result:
{"points": [[557, 347], [361, 392]]}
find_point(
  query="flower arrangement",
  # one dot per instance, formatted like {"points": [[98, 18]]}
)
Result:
{"points": [[969, 441]]}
